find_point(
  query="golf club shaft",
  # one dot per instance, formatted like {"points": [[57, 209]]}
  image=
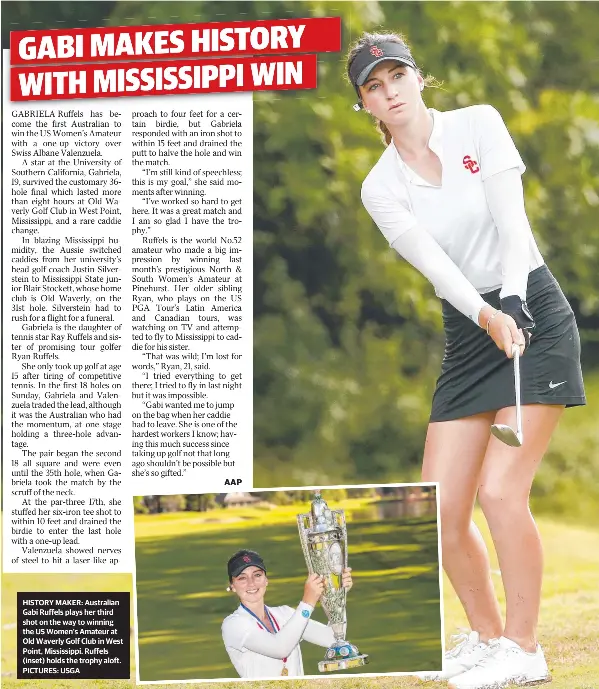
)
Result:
{"points": [[516, 351]]}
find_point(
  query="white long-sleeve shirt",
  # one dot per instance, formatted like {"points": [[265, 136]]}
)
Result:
{"points": [[470, 235], [255, 652]]}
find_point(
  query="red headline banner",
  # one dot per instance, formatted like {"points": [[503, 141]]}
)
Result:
{"points": [[164, 77], [315, 35]]}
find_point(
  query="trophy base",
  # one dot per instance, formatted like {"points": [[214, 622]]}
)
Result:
{"points": [[334, 665], [341, 656]]}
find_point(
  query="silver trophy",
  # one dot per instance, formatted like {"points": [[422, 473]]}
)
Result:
{"points": [[323, 534]]}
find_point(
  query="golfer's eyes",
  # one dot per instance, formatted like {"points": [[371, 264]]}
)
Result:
{"points": [[396, 75], [246, 580]]}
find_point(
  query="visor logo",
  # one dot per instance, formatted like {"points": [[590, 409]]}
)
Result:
{"points": [[377, 52], [471, 165], [246, 558]]}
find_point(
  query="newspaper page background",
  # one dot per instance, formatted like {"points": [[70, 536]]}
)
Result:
{"points": [[105, 327]]}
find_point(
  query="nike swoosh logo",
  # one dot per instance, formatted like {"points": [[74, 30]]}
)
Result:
{"points": [[556, 385]]}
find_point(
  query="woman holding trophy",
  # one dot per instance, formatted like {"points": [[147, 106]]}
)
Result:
{"points": [[263, 641]]}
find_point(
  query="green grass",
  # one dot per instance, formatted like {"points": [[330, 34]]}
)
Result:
{"points": [[569, 625], [569, 621]]}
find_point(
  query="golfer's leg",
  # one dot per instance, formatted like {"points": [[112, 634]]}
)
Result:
{"points": [[453, 455], [504, 490]]}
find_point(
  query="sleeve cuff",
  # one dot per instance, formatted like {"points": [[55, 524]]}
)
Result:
{"points": [[305, 609], [479, 304], [392, 238], [491, 170], [510, 288]]}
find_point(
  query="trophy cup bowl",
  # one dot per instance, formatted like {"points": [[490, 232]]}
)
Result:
{"points": [[323, 534]]}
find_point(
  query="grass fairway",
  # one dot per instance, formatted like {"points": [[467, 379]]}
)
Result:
{"points": [[569, 628], [393, 608]]}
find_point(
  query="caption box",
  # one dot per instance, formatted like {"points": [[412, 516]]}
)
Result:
{"points": [[73, 635]]}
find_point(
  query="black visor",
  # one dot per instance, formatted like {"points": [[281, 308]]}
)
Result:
{"points": [[242, 560], [372, 55]]}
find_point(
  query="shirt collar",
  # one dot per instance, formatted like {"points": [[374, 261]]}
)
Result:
{"points": [[435, 143]]}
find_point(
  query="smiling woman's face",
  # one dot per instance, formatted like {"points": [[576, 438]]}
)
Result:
{"points": [[250, 585], [392, 92]]}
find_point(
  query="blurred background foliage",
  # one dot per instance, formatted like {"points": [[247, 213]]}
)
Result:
{"points": [[348, 338]]}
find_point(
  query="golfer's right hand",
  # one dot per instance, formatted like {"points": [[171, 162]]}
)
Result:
{"points": [[313, 589], [504, 332]]}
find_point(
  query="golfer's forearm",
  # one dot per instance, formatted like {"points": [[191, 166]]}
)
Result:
{"points": [[281, 644], [505, 198], [419, 248], [319, 634]]}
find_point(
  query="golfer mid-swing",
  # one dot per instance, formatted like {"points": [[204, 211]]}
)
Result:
{"points": [[263, 641], [447, 195]]}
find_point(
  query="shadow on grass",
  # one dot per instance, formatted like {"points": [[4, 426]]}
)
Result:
{"points": [[393, 608]]}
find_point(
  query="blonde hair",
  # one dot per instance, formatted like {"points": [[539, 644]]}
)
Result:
{"points": [[374, 39]]}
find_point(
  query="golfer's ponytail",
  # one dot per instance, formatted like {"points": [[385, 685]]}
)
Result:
{"points": [[385, 133]]}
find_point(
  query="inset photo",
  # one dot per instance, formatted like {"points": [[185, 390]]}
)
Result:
{"points": [[288, 582]]}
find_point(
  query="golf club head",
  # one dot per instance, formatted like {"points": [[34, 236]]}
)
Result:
{"points": [[506, 435]]}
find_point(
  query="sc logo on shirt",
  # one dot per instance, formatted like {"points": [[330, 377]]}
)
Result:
{"points": [[470, 164]]}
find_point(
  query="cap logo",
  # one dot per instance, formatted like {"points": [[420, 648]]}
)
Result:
{"points": [[246, 558], [377, 52]]}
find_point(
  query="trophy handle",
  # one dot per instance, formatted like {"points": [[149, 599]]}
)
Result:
{"points": [[303, 523], [340, 517]]}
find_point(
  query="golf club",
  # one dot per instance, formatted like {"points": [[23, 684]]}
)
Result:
{"points": [[506, 433]]}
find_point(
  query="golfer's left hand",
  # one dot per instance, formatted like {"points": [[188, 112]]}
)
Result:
{"points": [[517, 308], [346, 579]]}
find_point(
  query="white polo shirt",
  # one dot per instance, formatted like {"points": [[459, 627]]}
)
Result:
{"points": [[237, 628], [473, 144]]}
